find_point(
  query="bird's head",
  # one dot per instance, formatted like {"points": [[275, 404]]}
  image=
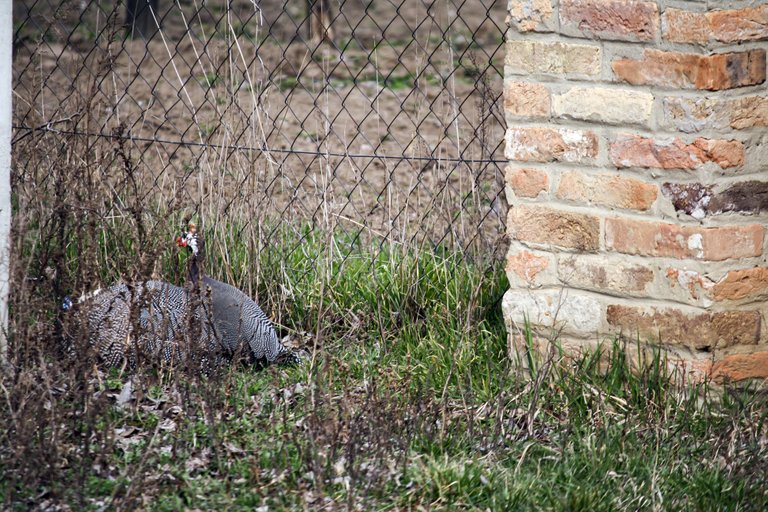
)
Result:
{"points": [[189, 239]]}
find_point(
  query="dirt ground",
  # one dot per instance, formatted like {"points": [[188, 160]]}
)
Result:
{"points": [[236, 106]]}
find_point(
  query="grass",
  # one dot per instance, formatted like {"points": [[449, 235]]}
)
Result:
{"points": [[209, 80], [409, 402], [392, 82]]}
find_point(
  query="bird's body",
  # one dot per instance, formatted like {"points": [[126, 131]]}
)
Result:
{"points": [[239, 322], [150, 318], [207, 319]]}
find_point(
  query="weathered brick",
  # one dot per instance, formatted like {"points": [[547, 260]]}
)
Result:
{"points": [[683, 26], [687, 285], [757, 152], [685, 370], [725, 153], [613, 106], [637, 151], [547, 226], [739, 25], [744, 197], [647, 238], [725, 26], [691, 198], [748, 112], [722, 243], [527, 182], [695, 114], [625, 20], [526, 57], [687, 70], [751, 283], [590, 272], [532, 15], [736, 367], [574, 313], [607, 190], [526, 265], [698, 330], [689, 371], [525, 99], [729, 70], [551, 144], [699, 200]]}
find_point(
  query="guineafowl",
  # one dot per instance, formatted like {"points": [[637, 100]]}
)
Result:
{"points": [[154, 318], [151, 318], [238, 322]]}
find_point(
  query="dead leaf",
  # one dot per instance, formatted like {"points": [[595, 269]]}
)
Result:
{"points": [[125, 394], [167, 424], [232, 448]]}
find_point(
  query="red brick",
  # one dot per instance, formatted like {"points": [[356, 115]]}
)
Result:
{"points": [[724, 243], [525, 99], [674, 327], [682, 26], [725, 153], [738, 367], [751, 283], [548, 226], [725, 26], [551, 144], [527, 182], [637, 151], [687, 70], [739, 25], [526, 265], [626, 20], [646, 238], [714, 113], [607, 190], [729, 70]]}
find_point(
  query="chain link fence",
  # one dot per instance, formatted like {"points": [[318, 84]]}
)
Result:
{"points": [[379, 121]]}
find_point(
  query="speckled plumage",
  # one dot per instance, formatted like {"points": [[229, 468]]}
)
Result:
{"points": [[239, 322], [154, 318], [150, 319], [157, 319]]}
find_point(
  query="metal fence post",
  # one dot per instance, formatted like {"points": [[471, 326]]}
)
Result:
{"points": [[6, 112]]}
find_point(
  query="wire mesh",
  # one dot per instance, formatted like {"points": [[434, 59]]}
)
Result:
{"points": [[377, 119]]}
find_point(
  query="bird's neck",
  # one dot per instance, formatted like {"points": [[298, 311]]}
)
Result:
{"points": [[194, 271]]}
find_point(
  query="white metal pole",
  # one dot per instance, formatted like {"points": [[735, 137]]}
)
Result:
{"points": [[6, 113]]}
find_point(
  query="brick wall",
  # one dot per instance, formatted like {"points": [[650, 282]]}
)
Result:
{"points": [[638, 177]]}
